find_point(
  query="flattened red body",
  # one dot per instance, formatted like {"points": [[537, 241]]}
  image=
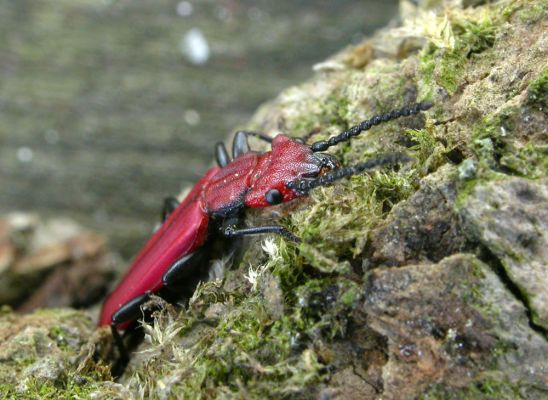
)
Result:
{"points": [[242, 183], [183, 232]]}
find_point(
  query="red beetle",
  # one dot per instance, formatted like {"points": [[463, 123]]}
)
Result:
{"points": [[216, 204]]}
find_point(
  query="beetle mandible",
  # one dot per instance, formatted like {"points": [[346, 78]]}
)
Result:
{"points": [[216, 204]]}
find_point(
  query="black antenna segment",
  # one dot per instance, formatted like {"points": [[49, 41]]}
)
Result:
{"points": [[303, 186], [412, 109]]}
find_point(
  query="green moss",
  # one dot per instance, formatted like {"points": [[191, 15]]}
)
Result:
{"points": [[288, 268], [8, 391], [427, 151], [425, 144], [445, 66], [76, 387], [244, 354], [476, 36], [350, 297], [495, 125], [337, 108], [426, 84], [496, 146], [510, 9], [325, 304], [59, 335], [529, 161], [531, 12], [485, 389], [251, 355], [334, 226], [244, 351], [537, 91]]}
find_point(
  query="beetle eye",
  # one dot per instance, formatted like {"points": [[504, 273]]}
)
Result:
{"points": [[273, 197]]}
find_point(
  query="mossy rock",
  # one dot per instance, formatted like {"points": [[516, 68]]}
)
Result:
{"points": [[51, 354]]}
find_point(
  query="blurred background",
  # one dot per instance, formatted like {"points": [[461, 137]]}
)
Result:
{"points": [[108, 106]]}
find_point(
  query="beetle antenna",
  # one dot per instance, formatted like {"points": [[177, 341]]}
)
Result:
{"points": [[303, 186], [369, 123]]}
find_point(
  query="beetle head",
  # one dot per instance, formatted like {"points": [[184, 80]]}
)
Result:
{"points": [[292, 168], [288, 161]]}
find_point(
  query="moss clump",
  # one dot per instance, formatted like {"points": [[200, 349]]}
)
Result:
{"points": [[428, 151], [485, 389], [334, 228], [242, 349], [456, 38], [527, 13], [336, 109], [529, 161], [75, 387], [497, 147], [288, 266], [537, 91], [243, 353], [324, 305], [50, 354]]}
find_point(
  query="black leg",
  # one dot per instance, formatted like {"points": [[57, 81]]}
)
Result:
{"points": [[131, 310], [170, 204], [230, 230], [258, 135], [239, 145], [128, 312], [120, 364], [221, 155], [183, 267]]}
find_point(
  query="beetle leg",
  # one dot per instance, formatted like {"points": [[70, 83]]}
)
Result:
{"points": [[121, 363], [258, 135], [128, 312], [230, 230], [239, 145], [183, 267], [131, 310], [221, 155], [170, 204]]}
